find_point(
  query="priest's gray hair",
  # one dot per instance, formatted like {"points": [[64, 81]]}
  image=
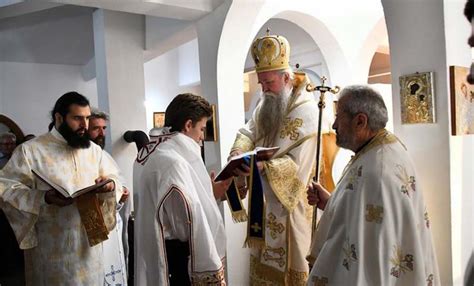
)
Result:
{"points": [[96, 113], [364, 99], [289, 71]]}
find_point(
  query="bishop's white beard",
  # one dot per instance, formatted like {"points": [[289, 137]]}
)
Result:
{"points": [[271, 115]]}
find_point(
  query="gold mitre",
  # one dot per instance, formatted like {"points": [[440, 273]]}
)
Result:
{"points": [[270, 53]]}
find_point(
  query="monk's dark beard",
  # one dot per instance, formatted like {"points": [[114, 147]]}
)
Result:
{"points": [[73, 138], [99, 140], [270, 117]]}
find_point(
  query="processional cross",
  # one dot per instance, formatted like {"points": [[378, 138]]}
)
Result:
{"points": [[322, 90]]}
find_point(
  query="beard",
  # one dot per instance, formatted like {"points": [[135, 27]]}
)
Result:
{"points": [[344, 141], [99, 140], [73, 138], [270, 116]]}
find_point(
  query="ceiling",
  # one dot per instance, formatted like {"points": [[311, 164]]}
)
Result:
{"points": [[60, 35], [61, 31]]}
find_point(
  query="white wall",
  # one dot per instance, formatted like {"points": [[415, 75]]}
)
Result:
{"points": [[458, 53], [169, 75], [28, 91], [418, 43]]}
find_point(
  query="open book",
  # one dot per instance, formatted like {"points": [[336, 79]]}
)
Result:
{"points": [[262, 154], [63, 191]]}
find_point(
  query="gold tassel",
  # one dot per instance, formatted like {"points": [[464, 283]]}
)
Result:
{"points": [[255, 242], [92, 218], [239, 216]]}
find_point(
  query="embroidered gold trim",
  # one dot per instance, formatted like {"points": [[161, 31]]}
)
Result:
{"points": [[92, 218], [275, 254], [297, 278], [373, 213], [408, 182], [290, 128], [254, 242], [401, 263], [294, 145], [281, 175], [242, 143], [317, 281], [274, 226], [383, 137], [216, 278], [261, 274], [241, 215]]}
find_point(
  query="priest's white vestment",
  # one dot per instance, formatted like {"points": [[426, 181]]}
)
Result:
{"points": [[375, 229], [115, 270], [282, 260], [57, 250], [176, 201]]}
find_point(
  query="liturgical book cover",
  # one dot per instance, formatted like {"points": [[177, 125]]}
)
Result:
{"points": [[261, 154], [63, 191]]}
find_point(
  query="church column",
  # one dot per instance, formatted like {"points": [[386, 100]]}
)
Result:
{"points": [[430, 35], [222, 84], [119, 43]]}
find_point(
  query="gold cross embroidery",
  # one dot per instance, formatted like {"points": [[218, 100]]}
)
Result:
{"points": [[290, 128], [256, 227], [373, 213], [274, 226], [323, 281], [275, 254]]}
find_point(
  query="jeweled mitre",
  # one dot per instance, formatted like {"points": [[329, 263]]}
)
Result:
{"points": [[270, 53]]}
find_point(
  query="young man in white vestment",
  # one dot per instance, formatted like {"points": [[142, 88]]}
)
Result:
{"points": [[286, 117], [179, 232], [115, 270], [375, 229], [61, 236]]}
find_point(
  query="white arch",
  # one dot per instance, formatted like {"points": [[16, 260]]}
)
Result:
{"points": [[369, 47], [237, 35], [235, 40]]}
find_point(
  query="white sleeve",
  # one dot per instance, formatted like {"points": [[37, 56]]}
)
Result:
{"points": [[175, 218]]}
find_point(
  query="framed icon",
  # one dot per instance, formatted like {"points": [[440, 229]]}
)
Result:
{"points": [[158, 119], [417, 98], [462, 102], [211, 126]]}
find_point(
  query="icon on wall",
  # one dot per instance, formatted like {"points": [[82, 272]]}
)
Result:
{"points": [[211, 126], [417, 98], [462, 101], [158, 119]]}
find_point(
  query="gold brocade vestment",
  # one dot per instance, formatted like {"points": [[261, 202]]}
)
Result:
{"points": [[57, 250], [287, 215]]}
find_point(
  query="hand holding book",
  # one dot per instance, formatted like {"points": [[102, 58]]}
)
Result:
{"points": [[238, 165], [108, 187], [102, 185], [53, 197]]}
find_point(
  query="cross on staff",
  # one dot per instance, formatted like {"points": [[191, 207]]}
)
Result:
{"points": [[321, 105]]}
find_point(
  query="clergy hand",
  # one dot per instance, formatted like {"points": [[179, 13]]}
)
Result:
{"points": [[53, 197], [219, 188], [109, 187], [317, 195], [125, 195], [242, 187], [242, 170]]}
